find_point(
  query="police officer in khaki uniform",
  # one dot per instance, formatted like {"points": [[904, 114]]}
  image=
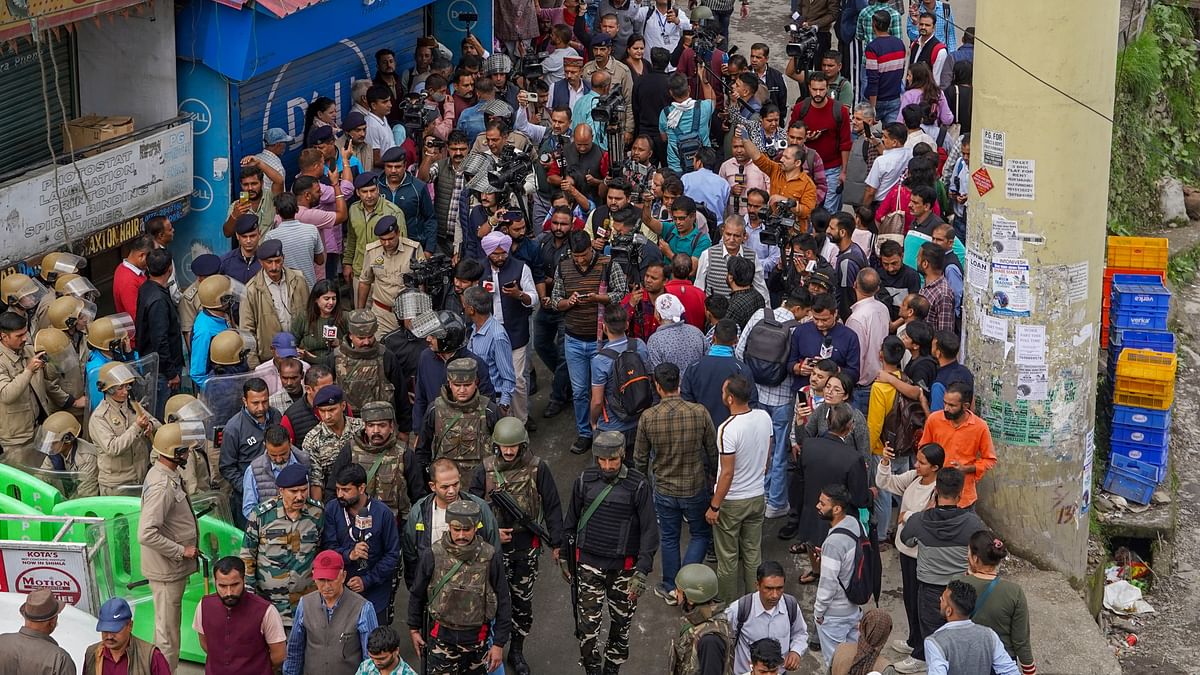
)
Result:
{"points": [[121, 431], [72, 460], [54, 265], [22, 295], [76, 287], [200, 469], [386, 261], [25, 394], [168, 534], [71, 316], [203, 266]]}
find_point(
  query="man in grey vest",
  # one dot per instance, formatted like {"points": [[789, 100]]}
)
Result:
{"points": [[258, 483], [714, 261], [337, 645], [961, 645]]}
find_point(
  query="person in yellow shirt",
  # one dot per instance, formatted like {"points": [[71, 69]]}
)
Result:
{"points": [[883, 399]]}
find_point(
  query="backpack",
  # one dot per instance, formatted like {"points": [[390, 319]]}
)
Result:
{"points": [[838, 112], [903, 424], [767, 347], [689, 143], [743, 614], [866, 575], [634, 392]]}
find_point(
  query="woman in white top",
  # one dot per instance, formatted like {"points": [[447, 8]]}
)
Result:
{"points": [[915, 488]]}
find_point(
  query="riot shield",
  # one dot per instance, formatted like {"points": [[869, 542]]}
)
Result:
{"points": [[81, 288], [68, 464], [222, 396], [144, 389]]}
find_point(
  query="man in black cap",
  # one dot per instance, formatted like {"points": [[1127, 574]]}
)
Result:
{"points": [[31, 649], [622, 78], [203, 266], [386, 261], [410, 193], [241, 263], [273, 297], [355, 126], [363, 216]]}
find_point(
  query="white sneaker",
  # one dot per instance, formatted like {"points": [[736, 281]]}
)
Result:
{"points": [[776, 513], [910, 665], [901, 646]]}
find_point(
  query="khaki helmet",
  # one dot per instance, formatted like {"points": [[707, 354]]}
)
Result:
{"points": [[80, 287], [65, 313], [114, 374], [57, 433], [175, 440], [362, 322], [52, 341], [173, 405], [698, 583], [57, 263], [219, 292], [508, 431], [20, 290], [227, 348], [107, 331]]}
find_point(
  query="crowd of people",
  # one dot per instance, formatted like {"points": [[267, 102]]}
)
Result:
{"points": [[748, 319]]}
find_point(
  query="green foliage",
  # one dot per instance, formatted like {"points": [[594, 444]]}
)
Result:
{"points": [[1157, 118], [1182, 267]]}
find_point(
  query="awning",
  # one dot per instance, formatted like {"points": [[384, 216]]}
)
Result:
{"points": [[20, 17], [277, 8]]}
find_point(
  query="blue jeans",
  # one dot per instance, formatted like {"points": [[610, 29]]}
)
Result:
{"points": [[579, 364], [162, 394], [836, 630], [885, 111], [547, 342], [883, 502], [775, 481], [861, 400], [833, 198], [671, 512]]}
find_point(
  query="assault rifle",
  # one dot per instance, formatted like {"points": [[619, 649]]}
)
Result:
{"points": [[567, 559], [517, 516]]}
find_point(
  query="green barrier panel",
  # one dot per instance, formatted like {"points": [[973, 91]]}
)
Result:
{"points": [[23, 530], [30, 490]]}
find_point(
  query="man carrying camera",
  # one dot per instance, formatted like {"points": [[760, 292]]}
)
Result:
{"points": [[788, 179], [621, 79]]}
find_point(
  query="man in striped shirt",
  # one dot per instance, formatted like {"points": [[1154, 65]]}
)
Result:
{"points": [[303, 248], [885, 57]]}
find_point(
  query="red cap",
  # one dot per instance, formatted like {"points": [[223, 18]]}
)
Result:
{"points": [[327, 565]]}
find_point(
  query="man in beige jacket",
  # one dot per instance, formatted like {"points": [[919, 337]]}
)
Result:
{"points": [[121, 431], [23, 392], [168, 533], [273, 297]]}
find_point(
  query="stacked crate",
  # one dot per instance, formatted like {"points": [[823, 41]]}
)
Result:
{"points": [[1141, 365]]}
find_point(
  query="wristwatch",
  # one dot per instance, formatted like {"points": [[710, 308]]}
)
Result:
{"points": [[714, 509]]}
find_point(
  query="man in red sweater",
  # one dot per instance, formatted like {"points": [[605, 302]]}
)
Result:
{"points": [[828, 124], [131, 274], [682, 287]]}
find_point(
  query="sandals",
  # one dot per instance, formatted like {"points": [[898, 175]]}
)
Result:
{"points": [[809, 578]]}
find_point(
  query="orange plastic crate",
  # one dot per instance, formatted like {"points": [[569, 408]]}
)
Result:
{"points": [[1149, 253]]}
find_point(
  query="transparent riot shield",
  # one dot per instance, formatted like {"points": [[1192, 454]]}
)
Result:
{"points": [[222, 396], [144, 389], [81, 288], [67, 464]]}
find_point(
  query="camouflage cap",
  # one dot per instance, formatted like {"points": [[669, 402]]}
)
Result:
{"points": [[377, 411], [608, 444], [463, 512], [462, 370], [362, 322]]}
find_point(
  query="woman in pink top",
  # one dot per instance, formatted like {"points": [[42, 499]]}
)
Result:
{"points": [[922, 89]]}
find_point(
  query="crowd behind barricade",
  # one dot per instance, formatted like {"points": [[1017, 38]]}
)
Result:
{"points": [[748, 317]]}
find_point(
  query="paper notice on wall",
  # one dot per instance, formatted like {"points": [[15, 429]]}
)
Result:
{"points": [[1018, 179], [993, 148], [1006, 243], [1089, 454], [1031, 345], [1031, 383], [1010, 287], [994, 328], [977, 270], [1077, 282]]}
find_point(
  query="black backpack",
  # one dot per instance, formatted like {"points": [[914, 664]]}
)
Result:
{"points": [[633, 392], [767, 347], [866, 575], [904, 424]]}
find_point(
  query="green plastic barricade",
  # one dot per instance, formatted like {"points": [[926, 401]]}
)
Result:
{"points": [[28, 489]]}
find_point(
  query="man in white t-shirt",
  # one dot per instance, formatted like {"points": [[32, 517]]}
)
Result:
{"points": [[890, 166], [738, 505]]}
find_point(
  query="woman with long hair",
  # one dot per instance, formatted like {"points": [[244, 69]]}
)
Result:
{"points": [[864, 230], [322, 323], [635, 56], [999, 603], [320, 113], [863, 657], [922, 89], [915, 488], [958, 95]]}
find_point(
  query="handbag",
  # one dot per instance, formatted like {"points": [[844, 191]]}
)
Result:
{"points": [[894, 222]]}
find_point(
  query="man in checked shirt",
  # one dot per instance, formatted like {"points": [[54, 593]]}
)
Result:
{"points": [[683, 441]]}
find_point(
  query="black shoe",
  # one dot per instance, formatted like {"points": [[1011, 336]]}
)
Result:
{"points": [[530, 425], [533, 382], [582, 446], [516, 659], [788, 531], [611, 668], [553, 408]]}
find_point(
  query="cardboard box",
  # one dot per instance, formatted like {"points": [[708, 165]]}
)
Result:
{"points": [[88, 130]]}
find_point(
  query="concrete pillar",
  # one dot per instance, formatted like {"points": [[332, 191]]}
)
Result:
{"points": [[1032, 302]]}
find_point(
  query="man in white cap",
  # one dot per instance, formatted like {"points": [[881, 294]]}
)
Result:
{"points": [[514, 296], [675, 341], [31, 649], [118, 651]]}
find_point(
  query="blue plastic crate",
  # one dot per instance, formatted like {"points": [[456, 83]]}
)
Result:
{"points": [[1140, 436], [1140, 296], [1146, 470], [1137, 279], [1141, 417], [1121, 338], [1142, 453], [1133, 487], [1152, 319]]}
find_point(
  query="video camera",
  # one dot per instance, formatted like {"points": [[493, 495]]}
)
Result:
{"points": [[609, 109], [512, 168], [433, 276], [415, 114], [802, 42], [777, 222], [529, 68]]}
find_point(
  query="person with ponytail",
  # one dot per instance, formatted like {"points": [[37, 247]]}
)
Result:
{"points": [[1000, 604]]}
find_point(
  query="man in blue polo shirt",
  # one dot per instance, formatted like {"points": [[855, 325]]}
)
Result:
{"points": [[606, 414], [945, 350], [823, 338]]}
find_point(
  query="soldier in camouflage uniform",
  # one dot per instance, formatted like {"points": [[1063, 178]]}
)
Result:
{"points": [[526, 478], [704, 625], [393, 475], [460, 599], [459, 423], [282, 539], [611, 520], [325, 442], [367, 371]]}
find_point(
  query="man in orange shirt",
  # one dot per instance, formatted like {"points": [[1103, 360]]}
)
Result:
{"points": [[788, 180], [964, 436]]}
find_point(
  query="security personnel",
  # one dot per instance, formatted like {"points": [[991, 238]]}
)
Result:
{"points": [[121, 431], [411, 194], [65, 452], [459, 424], [283, 537], [110, 340], [386, 261], [27, 394], [615, 540], [54, 265], [168, 534], [65, 365], [326, 442], [76, 286], [454, 637], [363, 215], [22, 294], [366, 371], [203, 267], [513, 469], [704, 638], [200, 469], [217, 294], [393, 475]]}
